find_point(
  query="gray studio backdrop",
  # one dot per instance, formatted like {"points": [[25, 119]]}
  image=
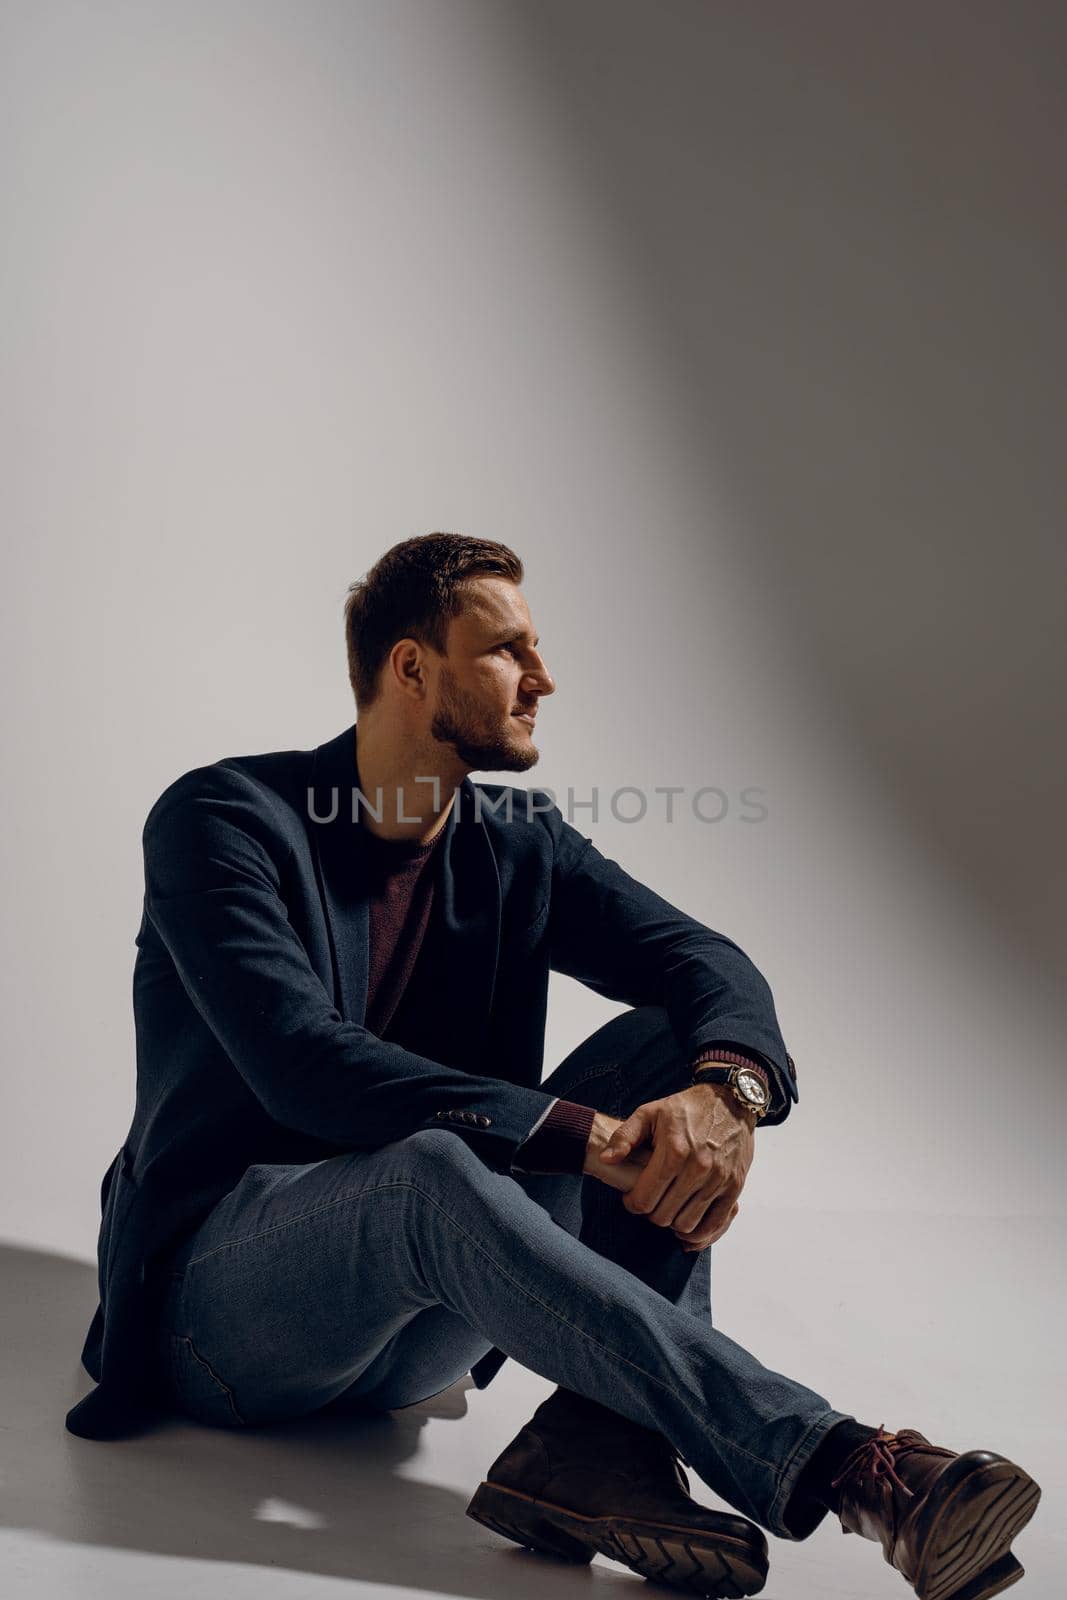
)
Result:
{"points": [[743, 325]]}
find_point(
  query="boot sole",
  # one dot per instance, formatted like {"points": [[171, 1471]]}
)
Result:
{"points": [[713, 1565], [966, 1527]]}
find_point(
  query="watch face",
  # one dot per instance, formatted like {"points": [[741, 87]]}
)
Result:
{"points": [[751, 1087]]}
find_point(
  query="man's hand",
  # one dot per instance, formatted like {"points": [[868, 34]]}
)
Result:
{"points": [[617, 1174], [702, 1145]]}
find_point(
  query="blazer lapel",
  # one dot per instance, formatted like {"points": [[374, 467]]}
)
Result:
{"points": [[466, 902]]}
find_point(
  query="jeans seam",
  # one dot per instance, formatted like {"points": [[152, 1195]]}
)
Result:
{"points": [[406, 1184], [338, 1200], [227, 1391], [728, 1443]]}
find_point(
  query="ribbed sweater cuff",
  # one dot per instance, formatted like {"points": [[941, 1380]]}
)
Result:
{"points": [[736, 1057], [739, 1058], [560, 1143]]}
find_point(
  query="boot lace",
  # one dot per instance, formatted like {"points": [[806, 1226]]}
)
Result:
{"points": [[877, 1457]]}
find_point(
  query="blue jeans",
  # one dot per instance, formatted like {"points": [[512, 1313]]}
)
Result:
{"points": [[375, 1279]]}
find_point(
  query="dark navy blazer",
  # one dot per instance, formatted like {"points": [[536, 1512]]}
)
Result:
{"points": [[249, 994]]}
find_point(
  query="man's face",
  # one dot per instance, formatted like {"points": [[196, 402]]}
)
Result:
{"points": [[492, 672]]}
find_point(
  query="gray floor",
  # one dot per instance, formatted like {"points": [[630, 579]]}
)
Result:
{"points": [[950, 1325]]}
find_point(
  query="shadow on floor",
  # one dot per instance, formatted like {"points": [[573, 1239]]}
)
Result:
{"points": [[323, 1495]]}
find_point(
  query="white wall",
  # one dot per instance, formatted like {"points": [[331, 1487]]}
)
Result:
{"points": [[740, 324]]}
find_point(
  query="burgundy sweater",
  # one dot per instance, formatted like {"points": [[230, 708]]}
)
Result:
{"points": [[401, 897]]}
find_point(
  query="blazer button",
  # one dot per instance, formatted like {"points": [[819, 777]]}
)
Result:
{"points": [[440, 1113], [469, 1116], [790, 1064], [484, 1121]]}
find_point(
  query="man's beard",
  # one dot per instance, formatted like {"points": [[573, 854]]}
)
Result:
{"points": [[461, 722]]}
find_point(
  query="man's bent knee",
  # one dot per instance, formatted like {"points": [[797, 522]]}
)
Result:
{"points": [[436, 1149]]}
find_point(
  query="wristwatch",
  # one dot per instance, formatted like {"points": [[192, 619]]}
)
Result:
{"points": [[748, 1085]]}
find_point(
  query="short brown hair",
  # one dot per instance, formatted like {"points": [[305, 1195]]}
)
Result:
{"points": [[413, 591]]}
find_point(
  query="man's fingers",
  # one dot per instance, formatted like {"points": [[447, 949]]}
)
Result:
{"points": [[693, 1177], [648, 1191], [699, 1211], [705, 1212], [720, 1213], [665, 1163], [631, 1133], [732, 1214], [672, 1194], [705, 1236]]}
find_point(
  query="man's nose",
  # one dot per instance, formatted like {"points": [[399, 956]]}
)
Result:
{"points": [[544, 680]]}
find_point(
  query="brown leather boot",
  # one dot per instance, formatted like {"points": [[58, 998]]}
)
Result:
{"points": [[944, 1520], [578, 1479]]}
